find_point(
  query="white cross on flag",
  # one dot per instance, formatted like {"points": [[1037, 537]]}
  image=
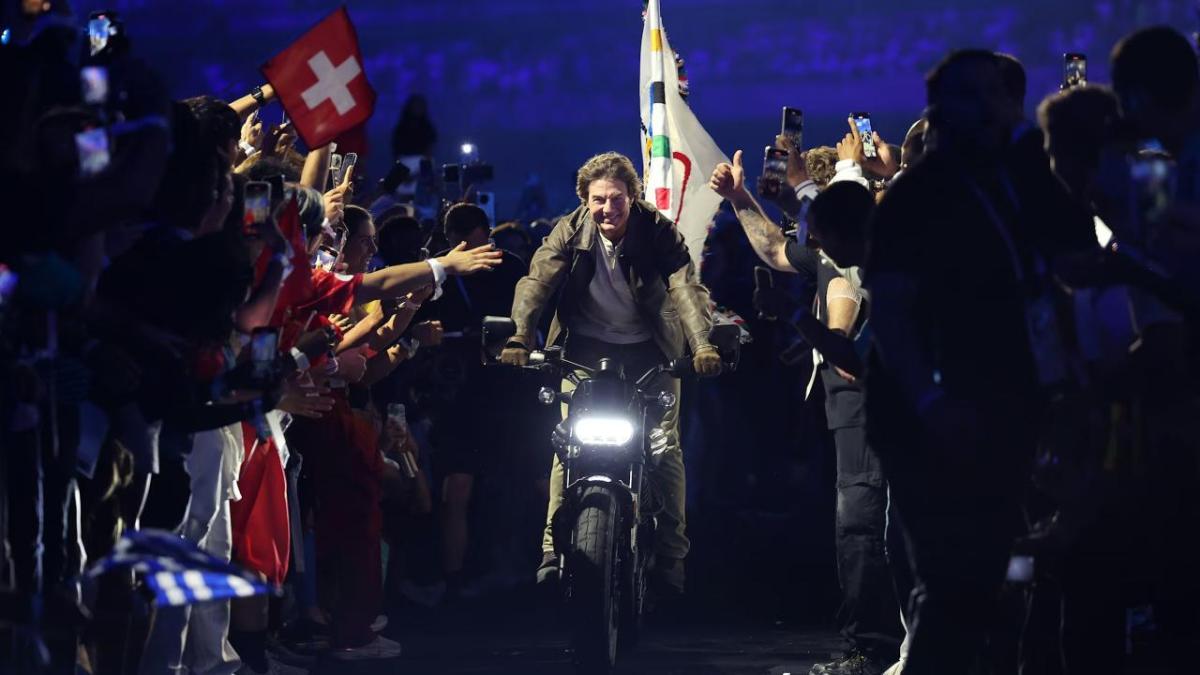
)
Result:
{"points": [[320, 81]]}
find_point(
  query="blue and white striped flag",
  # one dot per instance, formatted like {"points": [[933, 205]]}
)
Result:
{"points": [[177, 571]]}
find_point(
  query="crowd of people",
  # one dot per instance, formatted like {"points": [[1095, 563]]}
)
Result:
{"points": [[1004, 325], [209, 331]]}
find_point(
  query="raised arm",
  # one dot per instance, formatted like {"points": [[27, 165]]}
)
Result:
{"points": [[316, 168], [251, 102], [767, 239]]}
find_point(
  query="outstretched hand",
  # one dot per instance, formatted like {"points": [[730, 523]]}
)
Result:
{"points": [[461, 262]]}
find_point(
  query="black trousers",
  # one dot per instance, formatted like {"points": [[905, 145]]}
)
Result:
{"points": [[869, 615], [960, 508]]}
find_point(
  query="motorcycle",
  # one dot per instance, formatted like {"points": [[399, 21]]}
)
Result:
{"points": [[609, 445]]}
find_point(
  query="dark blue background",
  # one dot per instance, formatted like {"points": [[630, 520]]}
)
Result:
{"points": [[540, 85]]}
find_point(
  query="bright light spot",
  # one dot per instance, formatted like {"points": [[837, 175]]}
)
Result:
{"points": [[468, 148], [603, 431]]}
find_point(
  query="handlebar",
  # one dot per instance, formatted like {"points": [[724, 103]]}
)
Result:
{"points": [[538, 360]]}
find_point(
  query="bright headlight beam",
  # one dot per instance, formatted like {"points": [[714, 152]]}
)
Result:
{"points": [[603, 431]]}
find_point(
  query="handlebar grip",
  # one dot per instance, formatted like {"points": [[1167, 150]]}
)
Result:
{"points": [[537, 358]]}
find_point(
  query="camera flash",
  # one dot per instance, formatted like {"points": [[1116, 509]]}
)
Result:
{"points": [[468, 148]]}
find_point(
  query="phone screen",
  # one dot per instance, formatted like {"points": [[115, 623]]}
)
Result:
{"points": [[92, 147], [258, 205], [1074, 70], [775, 163], [326, 258], [1020, 569], [862, 121], [348, 162], [98, 31], [793, 125], [1153, 174], [93, 83], [335, 169], [263, 347]]}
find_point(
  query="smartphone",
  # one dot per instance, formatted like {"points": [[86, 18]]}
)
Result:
{"points": [[348, 163], [277, 193], [1020, 569], [326, 258], [775, 163], [93, 83], [1153, 175], [792, 125], [862, 121], [763, 278], [450, 174], [335, 169], [99, 27], [264, 346], [1074, 70], [257, 198], [93, 151]]}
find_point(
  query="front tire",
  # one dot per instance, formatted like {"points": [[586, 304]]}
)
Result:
{"points": [[594, 597]]}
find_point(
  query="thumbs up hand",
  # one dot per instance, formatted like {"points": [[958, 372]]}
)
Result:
{"points": [[729, 180]]}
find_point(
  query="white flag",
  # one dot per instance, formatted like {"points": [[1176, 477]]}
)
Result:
{"points": [[679, 155]]}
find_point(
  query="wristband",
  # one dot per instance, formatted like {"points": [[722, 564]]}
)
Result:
{"points": [[258, 95], [439, 277], [300, 358], [247, 148]]}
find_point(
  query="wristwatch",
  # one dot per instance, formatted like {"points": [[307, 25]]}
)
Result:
{"points": [[258, 95]]}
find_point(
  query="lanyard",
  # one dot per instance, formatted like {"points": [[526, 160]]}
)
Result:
{"points": [[1001, 229], [462, 287]]}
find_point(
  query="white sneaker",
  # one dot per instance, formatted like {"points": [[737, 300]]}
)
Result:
{"points": [[379, 648], [426, 596]]}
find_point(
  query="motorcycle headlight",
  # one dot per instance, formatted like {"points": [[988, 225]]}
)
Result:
{"points": [[612, 431]]}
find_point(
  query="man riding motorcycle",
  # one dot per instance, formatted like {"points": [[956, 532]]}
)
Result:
{"points": [[630, 292]]}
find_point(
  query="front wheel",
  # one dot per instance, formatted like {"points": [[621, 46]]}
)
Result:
{"points": [[594, 576]]}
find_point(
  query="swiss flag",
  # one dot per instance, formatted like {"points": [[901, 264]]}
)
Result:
{"points": [[320, 80], [297, 285]]}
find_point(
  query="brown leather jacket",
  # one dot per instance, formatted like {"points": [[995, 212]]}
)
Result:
{"points": [[656, 263]]}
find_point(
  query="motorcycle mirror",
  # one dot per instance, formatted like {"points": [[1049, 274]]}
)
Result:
{"points": [[727, 338], [497, 331]]}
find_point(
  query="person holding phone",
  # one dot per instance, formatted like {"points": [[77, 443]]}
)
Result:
{"points": [[837, 220]]}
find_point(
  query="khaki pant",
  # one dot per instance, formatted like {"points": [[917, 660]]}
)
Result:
{"points": [[667, 478]]}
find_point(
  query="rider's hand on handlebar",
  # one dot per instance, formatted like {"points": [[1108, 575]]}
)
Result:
{"points": [[707, 361], [515, 354]]}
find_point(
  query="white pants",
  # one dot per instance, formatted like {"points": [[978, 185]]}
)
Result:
{"points": [[195, 639]]}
